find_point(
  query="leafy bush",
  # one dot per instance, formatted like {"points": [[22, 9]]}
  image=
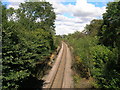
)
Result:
{"points": [[82, 47], [100, 55], [99, 59], [104, 67], [81, 51]]}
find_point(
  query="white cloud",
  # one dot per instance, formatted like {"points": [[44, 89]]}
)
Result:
{"points": [[15, 6], [56, 1], [15, 0], [65, 25], [82, 8], [82, 13], [60, 8], [15, 3]]}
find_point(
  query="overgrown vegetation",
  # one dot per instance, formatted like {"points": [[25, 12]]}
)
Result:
{"points": [[28, 40], [97, 49]]}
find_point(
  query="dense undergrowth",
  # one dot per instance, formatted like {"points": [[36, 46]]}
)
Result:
{"points": [[27, 43], [96, 49]]}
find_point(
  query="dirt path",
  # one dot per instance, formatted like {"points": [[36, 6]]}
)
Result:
{"points": [[60, 76]]}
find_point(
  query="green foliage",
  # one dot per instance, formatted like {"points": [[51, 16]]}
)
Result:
{"points": [[111, 25], [26, 45], [93, 28], [97, 49], [57, 39], [81, 50], [110, 37], [32, 12], [100, 56], [101, 61], [104, 67]]}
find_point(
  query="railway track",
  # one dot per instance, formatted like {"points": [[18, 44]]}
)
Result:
{"points": [[58, 78], [58, 74]]}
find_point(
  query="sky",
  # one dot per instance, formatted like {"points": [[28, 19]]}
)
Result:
{"points": [[71, 15]]}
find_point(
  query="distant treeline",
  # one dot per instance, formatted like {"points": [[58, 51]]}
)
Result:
{"points": [[97, 49], [28, 40]]}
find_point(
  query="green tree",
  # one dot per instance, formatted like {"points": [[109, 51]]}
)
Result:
{"points": [[110, 31], [37, 11], [26, 43], [94, 27], [110, 28]]}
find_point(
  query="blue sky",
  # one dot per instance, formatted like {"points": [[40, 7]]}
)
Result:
{"points": [[97, 4], [5, 3], [71, 16]]}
